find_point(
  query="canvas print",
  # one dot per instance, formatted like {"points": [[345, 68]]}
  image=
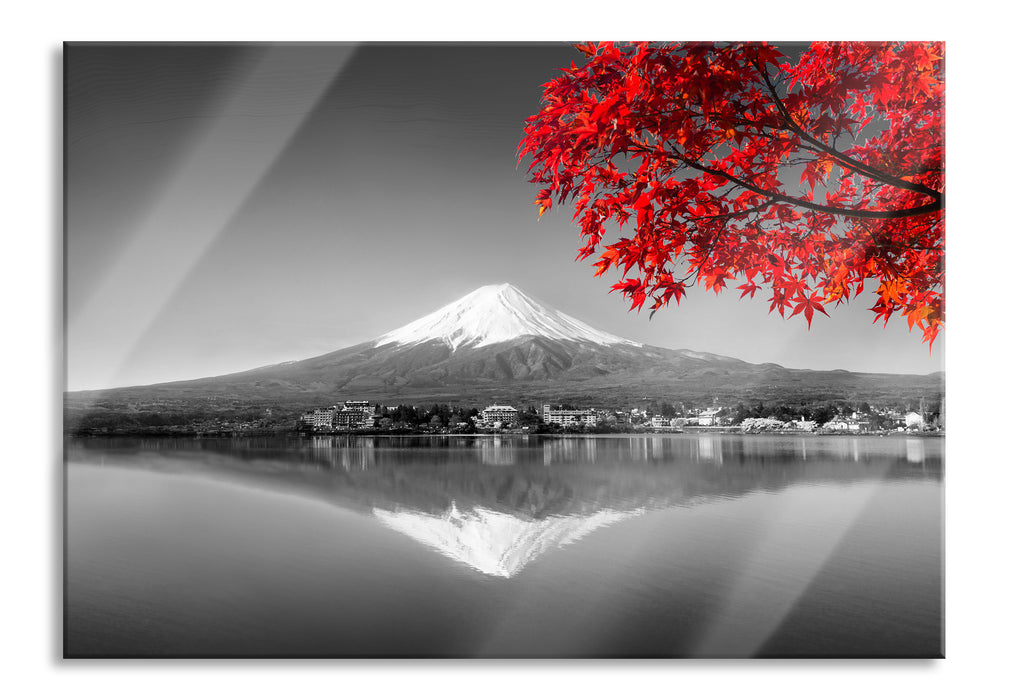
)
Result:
{"points": [[510, 350]]}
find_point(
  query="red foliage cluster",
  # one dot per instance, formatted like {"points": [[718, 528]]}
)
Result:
{"points": [[802, 178]]}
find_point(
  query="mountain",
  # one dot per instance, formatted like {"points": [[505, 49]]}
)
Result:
{"points": [[494, 314], [499, 344]]}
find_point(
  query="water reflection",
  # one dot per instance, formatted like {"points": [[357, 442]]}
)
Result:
{"points": [[708, 448], [496, 450], [360, 455], [492, 542], [915, 451], [567, 449], [496, 503]]}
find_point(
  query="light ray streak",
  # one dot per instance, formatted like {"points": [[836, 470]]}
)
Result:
{"points": [[211, 185], [760, 601]]}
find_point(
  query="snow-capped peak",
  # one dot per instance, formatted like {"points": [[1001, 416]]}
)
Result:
{"points": [[493, 314]]}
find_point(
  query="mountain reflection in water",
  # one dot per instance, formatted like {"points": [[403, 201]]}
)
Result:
{"points": [[504, 546], [495, 543], [496, 503]]}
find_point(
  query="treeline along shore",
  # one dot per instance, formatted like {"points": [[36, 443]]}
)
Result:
{"points": [[919, 415]]}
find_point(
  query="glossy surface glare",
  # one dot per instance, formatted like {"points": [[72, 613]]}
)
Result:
{"points": [[669, 546]]}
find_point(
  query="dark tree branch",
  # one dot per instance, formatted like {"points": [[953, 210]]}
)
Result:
{"points": [[851, 163], [930, 208]]}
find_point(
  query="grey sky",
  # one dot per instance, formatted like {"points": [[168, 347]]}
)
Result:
{"points": [[233, 206]]}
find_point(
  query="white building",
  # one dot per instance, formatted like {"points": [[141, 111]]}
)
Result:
{"points": [[347, 416], [914, 420], [319, 418], [840, 424], [661, 422], [355, 415], [563, 417], [708, 416], [499, 414]]}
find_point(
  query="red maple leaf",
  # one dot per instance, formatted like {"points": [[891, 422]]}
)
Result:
{"points": [[695, 143]]}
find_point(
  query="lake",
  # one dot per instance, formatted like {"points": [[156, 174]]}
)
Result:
{"points": [[692, 545]]}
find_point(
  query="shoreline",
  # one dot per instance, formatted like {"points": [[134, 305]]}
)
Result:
{"points": [[508, 434]]}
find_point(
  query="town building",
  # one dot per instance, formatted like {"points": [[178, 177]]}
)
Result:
{"points": [[351, 415], [708, 416], [355, 415], [639, 416], [842, 424], [662, 423], [319, 419], [499, 414], [567, 417]]}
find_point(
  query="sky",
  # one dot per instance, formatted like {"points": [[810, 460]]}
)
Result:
{"points": [[230, 206]]}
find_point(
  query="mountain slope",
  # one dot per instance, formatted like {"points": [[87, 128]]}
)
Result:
{"points": [[497, 343], [495, 314]]}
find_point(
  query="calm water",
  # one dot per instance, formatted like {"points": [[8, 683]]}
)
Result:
{"points": [[669, 546]]}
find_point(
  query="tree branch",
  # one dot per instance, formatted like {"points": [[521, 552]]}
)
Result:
{"points": [[930, 208], [851, 163]]}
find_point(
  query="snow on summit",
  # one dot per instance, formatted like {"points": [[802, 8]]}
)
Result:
{"points": [[494, 314]]}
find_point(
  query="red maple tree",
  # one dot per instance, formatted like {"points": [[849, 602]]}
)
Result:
{"points": [[804, 178]]}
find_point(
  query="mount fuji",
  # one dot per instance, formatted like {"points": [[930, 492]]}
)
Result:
{"points": [[499, 344], [495, 314]]}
